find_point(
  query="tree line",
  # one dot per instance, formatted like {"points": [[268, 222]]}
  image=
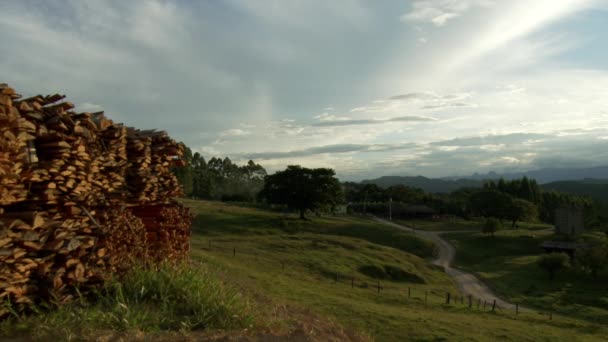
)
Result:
{"points": [[220, 179], [504, 200], [305, 189]]}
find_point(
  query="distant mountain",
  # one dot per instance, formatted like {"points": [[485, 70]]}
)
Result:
{"points": [[584, 181], [595, 188], [546, 175], [432, 185]]}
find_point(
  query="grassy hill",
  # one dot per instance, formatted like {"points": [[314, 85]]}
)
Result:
{"points": [[285, 260], [508, 263], [265, 276]]}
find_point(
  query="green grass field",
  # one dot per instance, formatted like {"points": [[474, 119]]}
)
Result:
{"points": [[508, 263], [296, 262], [453, 224], [264, 274]]}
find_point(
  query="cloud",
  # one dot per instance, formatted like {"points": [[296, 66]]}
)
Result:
{"points": [[352, 122], [438, 12], [445, 105], [88, 107], [234, 132], [332, 149], [513, 138], [415, 96]]}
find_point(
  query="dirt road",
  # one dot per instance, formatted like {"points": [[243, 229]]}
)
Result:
{"points": [[467, 283]]}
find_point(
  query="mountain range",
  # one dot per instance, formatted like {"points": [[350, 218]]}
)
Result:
{"points": [[583, 181]]}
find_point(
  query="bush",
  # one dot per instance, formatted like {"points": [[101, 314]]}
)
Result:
{"points": [[554, 262], [593, 259], [391, 272], [491, 226]]}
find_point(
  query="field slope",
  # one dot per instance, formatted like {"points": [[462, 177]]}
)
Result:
{"points": [[333, 266]]}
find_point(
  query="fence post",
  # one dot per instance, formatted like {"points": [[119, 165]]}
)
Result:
{"points": [[484, 304], [378, 286], [551, 315], [470, 301], [447, 298], [494, 305], [409, 292]]}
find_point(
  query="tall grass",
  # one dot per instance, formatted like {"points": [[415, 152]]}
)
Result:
{"points": [[175, 298]]}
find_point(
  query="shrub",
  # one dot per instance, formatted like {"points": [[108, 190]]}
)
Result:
{"points": [[593, 259], [554, 262], [491, 226]]}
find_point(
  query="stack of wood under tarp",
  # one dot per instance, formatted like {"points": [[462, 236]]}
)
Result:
{"points": [[81, 198]]}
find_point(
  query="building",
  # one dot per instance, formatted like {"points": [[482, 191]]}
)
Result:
{"points": [[569, 221], [567, 247]]}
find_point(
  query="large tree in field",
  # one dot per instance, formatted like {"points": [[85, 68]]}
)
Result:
{"points": [[302, 188], [521, 210]]}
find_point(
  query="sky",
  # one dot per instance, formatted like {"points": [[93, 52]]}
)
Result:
{"points": [[368, 88]]}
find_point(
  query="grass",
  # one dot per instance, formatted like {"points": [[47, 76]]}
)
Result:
{"points": [[294, 262], [454, 224], [171, 298], [508, 263], [265, 275]]}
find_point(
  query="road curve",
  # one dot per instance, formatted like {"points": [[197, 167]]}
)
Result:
{"points": [[467, 283]]}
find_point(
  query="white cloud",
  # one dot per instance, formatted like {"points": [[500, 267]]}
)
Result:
{"points": [[439, 12], [234, 132], [88, 107]]}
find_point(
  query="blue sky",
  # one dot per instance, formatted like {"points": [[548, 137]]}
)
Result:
{"points": [[369, 88]]}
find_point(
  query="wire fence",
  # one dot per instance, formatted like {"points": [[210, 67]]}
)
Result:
{"points": [[426, 296]]}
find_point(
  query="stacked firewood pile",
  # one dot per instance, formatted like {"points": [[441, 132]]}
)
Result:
{"points": [[81, 198]]}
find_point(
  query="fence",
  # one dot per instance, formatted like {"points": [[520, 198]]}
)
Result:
{"points": [[438, 297]]}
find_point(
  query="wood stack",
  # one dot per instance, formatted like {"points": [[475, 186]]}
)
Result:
{"points": [[167, 233], [71, 190]]}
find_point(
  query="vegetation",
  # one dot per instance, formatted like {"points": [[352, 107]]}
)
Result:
{"points": [[508, 263], [295, 262], [267, 274], [553, 263], [491, 226], [303, 189], [593, 259], [170, 298], [220, 179]]}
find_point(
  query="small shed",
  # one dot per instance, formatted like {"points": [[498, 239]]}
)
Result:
{"points": [[420, 211], [569, 220], [568, 247]]}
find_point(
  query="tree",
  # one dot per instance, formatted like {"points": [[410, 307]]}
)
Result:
{"points": [[554, 262], [491, 226], [490, 203], [303, 189], [593, 259], [520, 210]]}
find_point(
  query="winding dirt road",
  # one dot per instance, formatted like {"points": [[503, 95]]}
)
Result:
{"points": [[467, 283]]}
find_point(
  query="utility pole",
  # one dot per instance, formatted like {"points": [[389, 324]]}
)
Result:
{"points": [[364, 203], [390, 209]]}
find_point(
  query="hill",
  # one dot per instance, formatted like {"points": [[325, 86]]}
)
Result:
{"points": [[432, 185], [263, 275], [332, 265], [594, 188], [544, 175]]}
